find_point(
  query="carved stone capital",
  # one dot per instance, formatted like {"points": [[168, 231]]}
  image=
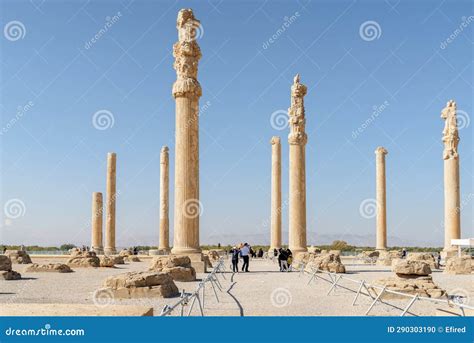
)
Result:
{"points": [[450, 131], [381, 150], [187, 53], [164, 155], [275, 140], [296, 112]]}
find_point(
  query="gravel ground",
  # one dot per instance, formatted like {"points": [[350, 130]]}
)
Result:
{"points": [[264, 291]]}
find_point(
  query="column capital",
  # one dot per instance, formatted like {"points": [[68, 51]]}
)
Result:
{"points": [[164, 155], [187, 54], [381, 150], [450, 131], [275, 140], [296, 112]]}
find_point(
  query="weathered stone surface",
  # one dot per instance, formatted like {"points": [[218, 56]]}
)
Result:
{"points": [[9, 275], [368, 256], [178, 267], [459, 265], [5, 263], [423, 256], [213, 255], [18, 256], [6, 272], [125, 253], [51, 267], [132, 258], [118, 259], [422, 285], [327, 262], [107, 261], [312, 249], [386, 258], [84, 259], [407, 268], [141, 284]]}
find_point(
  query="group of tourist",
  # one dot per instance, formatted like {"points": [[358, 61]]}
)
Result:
{"points": [[285, 258], [243, 251]]}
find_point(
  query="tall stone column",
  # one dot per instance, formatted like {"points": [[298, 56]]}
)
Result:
{"points": [[164, 244], [381, 198], [297, 140], [276, 195], [187, 91], [452, 209], [97, 220], [111, 198]]}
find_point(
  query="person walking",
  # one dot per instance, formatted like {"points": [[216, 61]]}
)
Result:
{"points": [[282, 259], [234, 253], [245, 252]]}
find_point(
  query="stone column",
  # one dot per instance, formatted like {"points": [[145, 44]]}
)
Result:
{"points": [[297, 193], [381, 198], [276, 195], [97, 213], [187, 91], [164, 244], [110, 203], [452, 209]]}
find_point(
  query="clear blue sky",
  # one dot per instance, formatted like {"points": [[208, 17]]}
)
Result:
{"points": [[53, 157]]}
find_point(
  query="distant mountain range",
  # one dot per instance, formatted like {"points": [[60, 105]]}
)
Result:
{"points": [[315, 238]]}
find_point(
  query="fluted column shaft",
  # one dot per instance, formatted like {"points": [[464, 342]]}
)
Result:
{"points": [[276, 195], [381, 199], [97, 220], [164, 243], [110, 203]]}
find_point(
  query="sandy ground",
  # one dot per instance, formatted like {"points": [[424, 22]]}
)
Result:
{"points": [[264, 291]]}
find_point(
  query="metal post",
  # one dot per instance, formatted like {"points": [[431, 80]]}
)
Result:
{"points": [[214, 289], [409, 305], [376, 299], [362, 283], [337, 278]]}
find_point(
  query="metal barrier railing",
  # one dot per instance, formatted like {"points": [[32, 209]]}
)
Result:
{"points": [[365, 288], [196, 296]]}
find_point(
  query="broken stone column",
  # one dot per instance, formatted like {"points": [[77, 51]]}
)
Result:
{"points": [[297, 192], [110, 203], [276, 195], [164, 244], [187, 91], [97, 213], [381, 199], [452, 209]]}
